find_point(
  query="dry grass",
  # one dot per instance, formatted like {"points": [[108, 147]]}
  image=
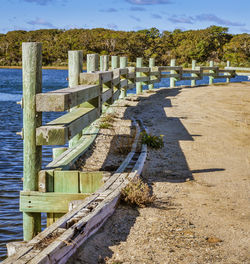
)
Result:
{"points": [[107, 121], [137, 193], [109, 118], [122, 144], [105, 125]]}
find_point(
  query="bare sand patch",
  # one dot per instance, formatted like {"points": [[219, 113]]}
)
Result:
{"points": [[200, 179]]}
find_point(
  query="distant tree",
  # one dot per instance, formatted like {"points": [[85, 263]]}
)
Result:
{"points": [[211, 43], [238, 50]]}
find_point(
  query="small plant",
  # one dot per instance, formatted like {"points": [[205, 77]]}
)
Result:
{"points": [[105, 125], [122, 144], [107, 120], [137, 193], [151, 140]]}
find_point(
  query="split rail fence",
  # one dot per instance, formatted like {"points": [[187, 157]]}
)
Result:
{"points": [[51, 190]]}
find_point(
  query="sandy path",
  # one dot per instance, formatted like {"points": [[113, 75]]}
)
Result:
{"points": [[200, 178]]}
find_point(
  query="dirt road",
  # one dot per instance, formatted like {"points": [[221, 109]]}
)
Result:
{"points": [[200, 179]]}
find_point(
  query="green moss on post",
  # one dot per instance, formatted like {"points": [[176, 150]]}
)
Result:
{"points": [[115, 62], [151, 64], [75, 63], [92, 62], [123, 64], [193, 82], [104, 63], [172, 79], [211, 78], [32, 154], [138, 74]]}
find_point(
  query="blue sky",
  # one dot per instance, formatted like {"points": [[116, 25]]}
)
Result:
{"points": [[125, 14]]}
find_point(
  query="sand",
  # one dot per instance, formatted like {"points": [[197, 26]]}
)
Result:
{"points": [[200, 179]]}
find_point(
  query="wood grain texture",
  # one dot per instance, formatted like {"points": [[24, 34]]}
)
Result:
{"points": [[90, 181], [32, 158], [64, 99], [67, 158], [52, 202], [60, 130]]}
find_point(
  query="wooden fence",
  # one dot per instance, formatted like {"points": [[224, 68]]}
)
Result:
{"points": [[52, 189]]}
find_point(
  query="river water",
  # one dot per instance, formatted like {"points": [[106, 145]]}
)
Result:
{"points": [[11, 145]]}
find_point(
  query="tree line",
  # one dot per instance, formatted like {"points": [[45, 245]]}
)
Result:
{"points": [[212, 43]]}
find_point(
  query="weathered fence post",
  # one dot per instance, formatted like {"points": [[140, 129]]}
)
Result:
{"points": [[92, 66], [75, 62], [114, 62], [193, 82], [228, 65], [123, 64], [172, 79], [92, 62], [32, 154], [104, 63], [138, 74], [211, 78], [151, 65]]}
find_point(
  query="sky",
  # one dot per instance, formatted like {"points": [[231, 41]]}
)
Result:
{"points": [[124, 14]]}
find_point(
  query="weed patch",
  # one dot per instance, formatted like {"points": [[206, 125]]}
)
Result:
{"points": [[137, 193], [152, 141], [105, 125], [107, 121]]}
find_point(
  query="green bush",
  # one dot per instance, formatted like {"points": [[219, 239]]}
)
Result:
{"points": [[152, 141]]}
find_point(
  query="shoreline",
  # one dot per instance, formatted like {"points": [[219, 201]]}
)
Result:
{"points": [[43, 67]]}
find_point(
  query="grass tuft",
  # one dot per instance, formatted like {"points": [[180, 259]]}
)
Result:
{"points": [[152, 141], [105, 125], [107, 121]]}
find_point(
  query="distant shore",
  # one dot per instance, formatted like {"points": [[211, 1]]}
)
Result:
{"points": [[44, 67]]}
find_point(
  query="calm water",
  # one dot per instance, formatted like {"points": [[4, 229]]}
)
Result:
{"points": [[11, 145]]}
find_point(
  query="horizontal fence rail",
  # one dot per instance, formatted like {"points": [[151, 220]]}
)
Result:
{"points": [[88, 95]]}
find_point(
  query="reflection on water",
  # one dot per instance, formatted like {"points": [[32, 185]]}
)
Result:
{"points": [[11, 145]]}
